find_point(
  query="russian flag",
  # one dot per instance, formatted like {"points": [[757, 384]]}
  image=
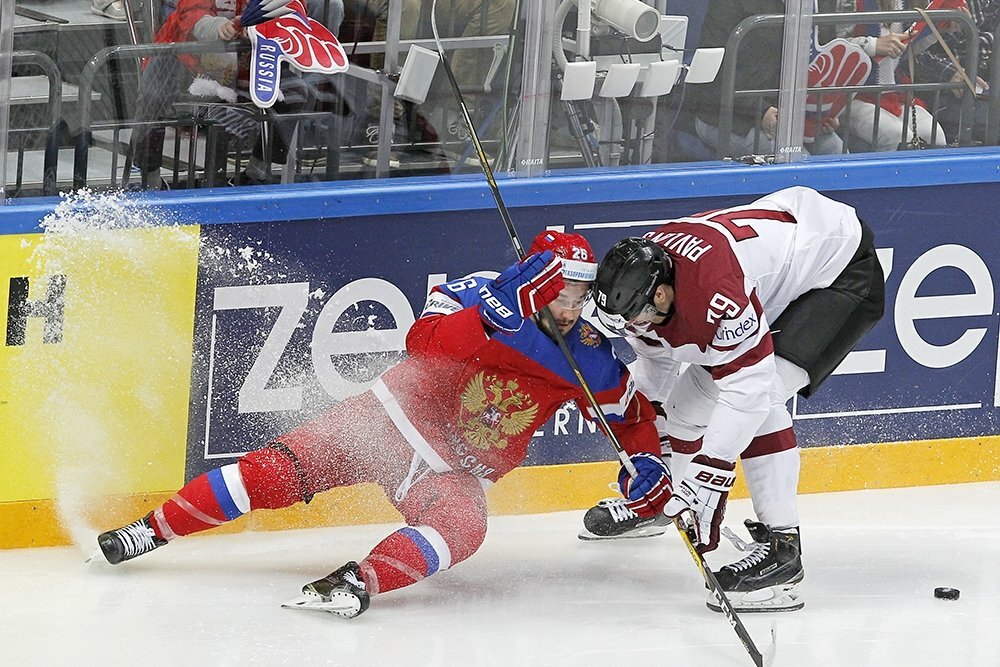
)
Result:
{"points": [[921, 35]]}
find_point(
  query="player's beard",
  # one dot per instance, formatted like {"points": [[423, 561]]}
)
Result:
{"points": [[565, 323]]}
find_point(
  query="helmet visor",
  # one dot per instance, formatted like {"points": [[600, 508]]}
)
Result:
{"points": [[574, 295], [638, 324]]}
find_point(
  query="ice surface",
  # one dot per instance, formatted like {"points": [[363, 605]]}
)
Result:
{"points": [[533, 595]]}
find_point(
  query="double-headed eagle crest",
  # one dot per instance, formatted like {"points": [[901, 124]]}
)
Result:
{"points": [[493, 409], [589, 336]]}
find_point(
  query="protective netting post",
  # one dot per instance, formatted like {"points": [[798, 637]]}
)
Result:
{"points": [[794, 77], [6, 50]]}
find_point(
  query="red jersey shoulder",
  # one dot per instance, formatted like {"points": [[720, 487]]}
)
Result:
{"points": [[709, 283]]}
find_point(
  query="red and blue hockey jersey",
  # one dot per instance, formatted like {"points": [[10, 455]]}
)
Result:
{"points": [[470, 402]]}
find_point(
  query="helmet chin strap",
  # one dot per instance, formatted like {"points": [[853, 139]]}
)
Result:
{"points": [[659, 313], [665, 315]]}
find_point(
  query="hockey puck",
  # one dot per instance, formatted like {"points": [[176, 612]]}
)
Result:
{"points": [[946, 593]]}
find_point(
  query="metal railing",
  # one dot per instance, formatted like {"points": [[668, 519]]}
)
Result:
{"points": [[102, 60], [52, 132]]}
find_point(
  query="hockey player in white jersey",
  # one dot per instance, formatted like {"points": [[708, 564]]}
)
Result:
{"points": [[761, 302]]}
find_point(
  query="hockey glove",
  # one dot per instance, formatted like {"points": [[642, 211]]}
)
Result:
{"points": [[649, 491], [521, 291], [704, 489]]}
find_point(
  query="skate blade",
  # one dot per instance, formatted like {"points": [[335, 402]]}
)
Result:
{"points": [[343, 605], [645, 531], [772, 599]]}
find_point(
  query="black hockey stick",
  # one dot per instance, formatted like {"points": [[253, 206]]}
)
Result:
{"points": [[720, 596], [549, 322], [546, 315]]}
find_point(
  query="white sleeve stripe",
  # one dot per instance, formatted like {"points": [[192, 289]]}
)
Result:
{"points": [[439, 303]]}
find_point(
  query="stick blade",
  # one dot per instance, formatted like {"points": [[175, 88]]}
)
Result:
{"points": [[771, 651]]}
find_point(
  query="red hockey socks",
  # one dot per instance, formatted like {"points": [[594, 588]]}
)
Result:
{"points": [[207, 501], [408, 555], [263, 478]]}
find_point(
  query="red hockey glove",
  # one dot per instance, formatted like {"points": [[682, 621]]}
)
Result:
{"points": [[649, 491], [521, 291], [704, 489]]}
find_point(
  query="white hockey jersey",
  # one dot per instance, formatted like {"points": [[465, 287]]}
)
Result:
{"points": [[736, 270]]}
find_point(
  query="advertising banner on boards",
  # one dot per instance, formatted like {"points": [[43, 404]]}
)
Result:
{"points": [[291, 317]]}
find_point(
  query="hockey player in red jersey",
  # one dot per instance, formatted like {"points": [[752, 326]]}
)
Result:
{"points": [[435, 430], [761, 301]]}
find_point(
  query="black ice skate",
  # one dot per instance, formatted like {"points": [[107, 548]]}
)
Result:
{"points": [[768, 578], [610, 519], [129, 541], [342, 592]]}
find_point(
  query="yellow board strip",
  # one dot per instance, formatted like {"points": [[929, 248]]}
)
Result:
{"points": [[545, 489]]}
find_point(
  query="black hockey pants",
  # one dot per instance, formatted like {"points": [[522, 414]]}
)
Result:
{"points": [[818, 329]]}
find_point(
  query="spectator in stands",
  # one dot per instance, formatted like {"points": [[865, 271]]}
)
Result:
{"points": [[758, 67], [166, 78], [893, 129], [167, 7], [301, 92], [934, 64]]}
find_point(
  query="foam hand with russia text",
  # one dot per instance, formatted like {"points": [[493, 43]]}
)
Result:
{"points": [[258, 11], [302, 42], [521, 291]]}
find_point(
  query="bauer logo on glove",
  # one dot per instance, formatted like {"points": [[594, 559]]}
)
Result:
{"points": [[521, 291], [704, 490]]}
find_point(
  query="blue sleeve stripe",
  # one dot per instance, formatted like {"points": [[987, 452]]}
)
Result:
{"points": [[430, 555], [221, 491]]}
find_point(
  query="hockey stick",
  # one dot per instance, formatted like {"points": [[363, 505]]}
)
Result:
{"points": [[546, 315], [720, 596], [549, 322]]}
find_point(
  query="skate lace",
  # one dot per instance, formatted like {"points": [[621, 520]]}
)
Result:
{"points": [[761, 550], [618, 510], [137, 538]]}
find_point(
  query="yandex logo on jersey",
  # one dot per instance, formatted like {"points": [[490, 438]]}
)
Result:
{"points": [[734, 331], [684, 244]]}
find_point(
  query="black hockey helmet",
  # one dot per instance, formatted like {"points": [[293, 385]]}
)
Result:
{"points": [[627, 279]]}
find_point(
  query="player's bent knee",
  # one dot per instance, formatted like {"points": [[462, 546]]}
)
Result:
{"points": [[273, 478], [454, 505]]}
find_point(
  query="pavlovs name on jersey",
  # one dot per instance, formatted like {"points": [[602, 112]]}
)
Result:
{"points": [[682, 243]]}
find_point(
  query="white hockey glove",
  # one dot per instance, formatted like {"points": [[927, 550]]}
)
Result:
{"points": [[704, 489]]}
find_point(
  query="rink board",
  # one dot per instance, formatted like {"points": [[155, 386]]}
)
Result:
{"points": [[179, 355]]}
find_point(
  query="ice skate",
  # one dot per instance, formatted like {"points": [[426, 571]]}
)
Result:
{"points": [[342, 592], [129, 541], [768, 578], [610, 519]]}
